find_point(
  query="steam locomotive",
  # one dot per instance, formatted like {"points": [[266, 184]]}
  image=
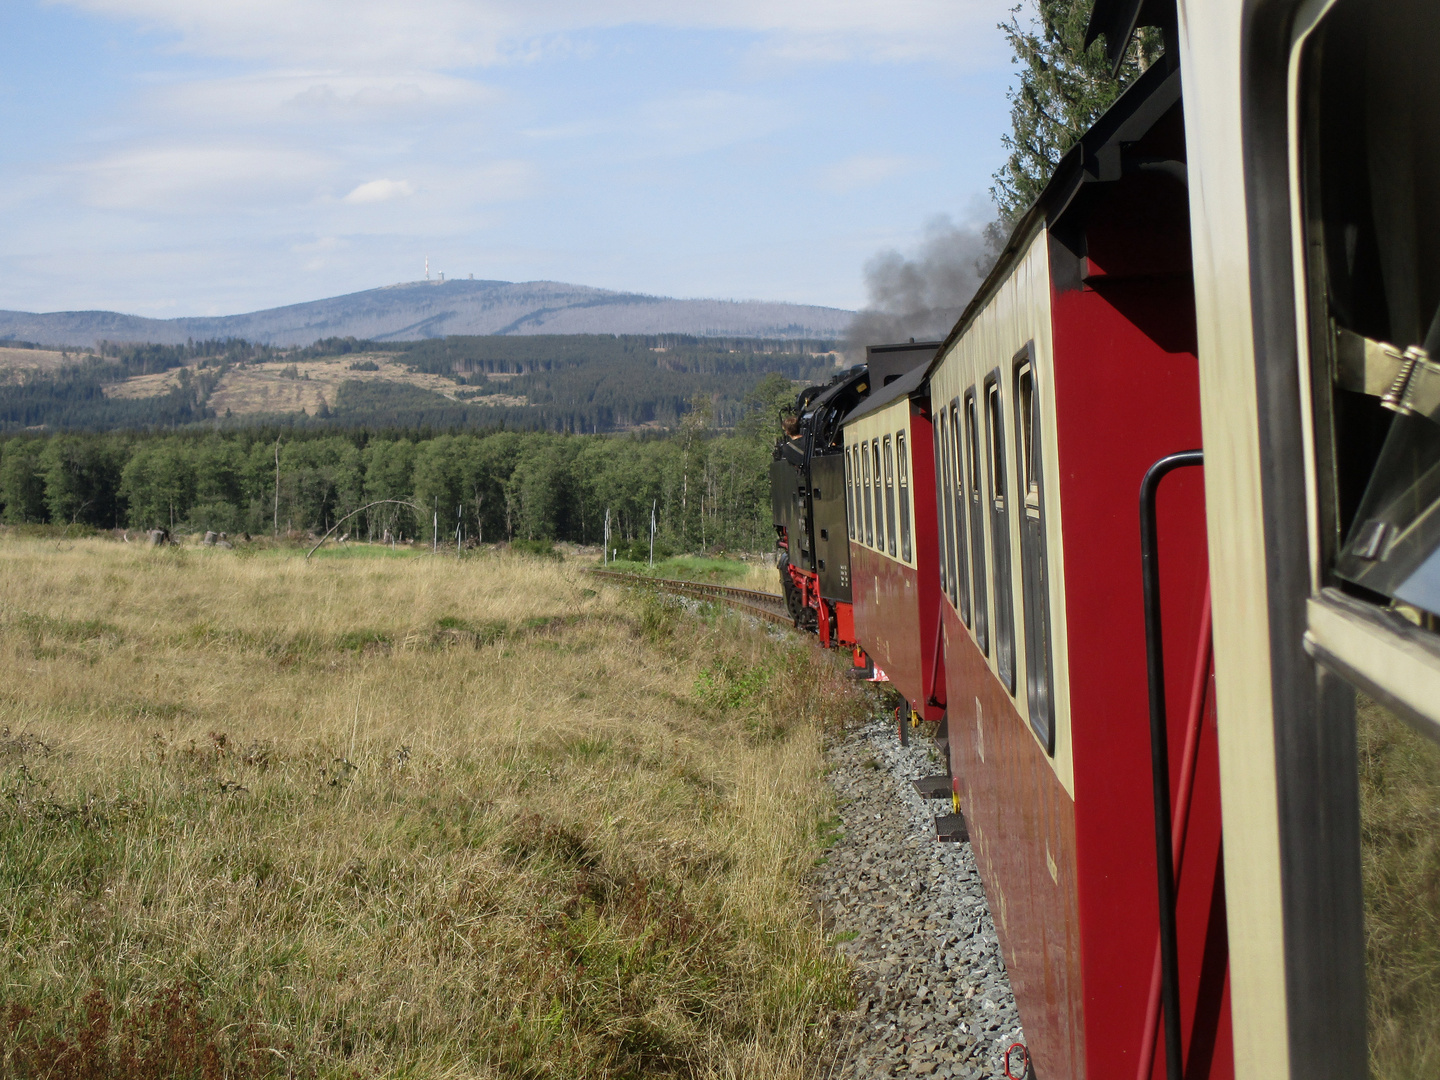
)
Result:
{"points": [[1135, 531]]}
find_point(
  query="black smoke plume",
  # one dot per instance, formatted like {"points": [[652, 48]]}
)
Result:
{"points": [[921, 297]]}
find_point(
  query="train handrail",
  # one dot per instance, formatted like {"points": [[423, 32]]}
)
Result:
{"points": [[1160, 751]]}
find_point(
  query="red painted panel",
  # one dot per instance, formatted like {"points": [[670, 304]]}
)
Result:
{"points": [[1022, 827], [1114, 374], [887, 617]]}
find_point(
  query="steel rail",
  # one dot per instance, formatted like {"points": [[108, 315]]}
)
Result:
{"points": [[762, 605]]}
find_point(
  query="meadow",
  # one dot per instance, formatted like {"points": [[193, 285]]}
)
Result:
{"points": [[401, 815], [1400, 864]]}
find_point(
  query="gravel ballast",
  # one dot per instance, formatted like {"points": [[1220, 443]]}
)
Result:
{"points": [[931, 991]]}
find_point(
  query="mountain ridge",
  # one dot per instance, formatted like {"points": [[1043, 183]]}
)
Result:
{"points": [[410, 311]]}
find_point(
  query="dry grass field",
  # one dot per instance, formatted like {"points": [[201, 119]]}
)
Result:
{"points": [[1400, 861], [16, 362], [250, 389], [374, 815]]}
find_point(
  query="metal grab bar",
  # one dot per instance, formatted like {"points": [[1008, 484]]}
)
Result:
{"points": [[1160, 751], [1180, 831]]}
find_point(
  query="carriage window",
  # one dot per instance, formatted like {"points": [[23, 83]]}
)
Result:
{"points": [[1000, 534], [904, 463], [879, 496], [1369, 158], [940, 510], [947, 507], [890, 496], [867, 496], [850, 492], [1034, 571], [954, 480], [1372, 185], [976, 498]]}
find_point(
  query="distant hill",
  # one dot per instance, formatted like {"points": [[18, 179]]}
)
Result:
{"points": [[554, 382], [422, 309]]}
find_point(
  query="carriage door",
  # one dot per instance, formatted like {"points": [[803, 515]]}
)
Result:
{"points": [[1034, 574]]}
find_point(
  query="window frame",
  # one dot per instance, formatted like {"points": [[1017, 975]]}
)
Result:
{"points": [[902, 494], [1001, 554]]}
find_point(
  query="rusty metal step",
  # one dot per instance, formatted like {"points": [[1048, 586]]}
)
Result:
{"points": [[951, 828], [933, 787]]}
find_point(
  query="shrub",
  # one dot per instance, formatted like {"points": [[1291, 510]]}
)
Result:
{"points": [[543, 549]]}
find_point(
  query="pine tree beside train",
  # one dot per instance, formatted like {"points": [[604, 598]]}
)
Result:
{"points": [[1062, 89]]}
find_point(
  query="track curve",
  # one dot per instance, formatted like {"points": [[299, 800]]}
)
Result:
{"points": [[762, 605]]}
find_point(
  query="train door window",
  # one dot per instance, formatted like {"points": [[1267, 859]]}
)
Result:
{"points": [[1034, 572], [999, 532], [889, 496], [940, 510], [976, 494], [954, 481], [850, 491], [1369, 161], [879, 496], [902, 461]]}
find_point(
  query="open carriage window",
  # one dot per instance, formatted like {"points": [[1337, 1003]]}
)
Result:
{"points": [[1369, 158], [903, 461]]}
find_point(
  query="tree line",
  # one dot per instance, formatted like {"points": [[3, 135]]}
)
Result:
{"points": [[708, 488], [563, 383]]}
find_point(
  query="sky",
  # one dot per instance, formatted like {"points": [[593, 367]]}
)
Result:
{"points": [[210, 157]]}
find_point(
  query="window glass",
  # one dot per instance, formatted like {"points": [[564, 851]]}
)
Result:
{"points": [[889, 497], [879, 496], [947, 508], [1034, 571], [976, 493], [1369, 158], [850, 491], [1400, 869], [954, 480], [940, 508], [903, 462], [1000, 534], [867, 495]]}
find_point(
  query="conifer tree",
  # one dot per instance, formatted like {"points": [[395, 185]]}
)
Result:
{"points": [[1063, 88]]}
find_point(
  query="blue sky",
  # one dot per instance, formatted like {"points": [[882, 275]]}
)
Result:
{"points": [[192, 157]]}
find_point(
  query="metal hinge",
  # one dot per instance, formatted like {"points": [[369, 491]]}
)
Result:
{"points": [[1406, 381]]}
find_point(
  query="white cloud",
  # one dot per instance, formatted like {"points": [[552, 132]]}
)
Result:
{"points": [[448, 34], [167, 178], [291, 98], [863, 171], [380, 191]]}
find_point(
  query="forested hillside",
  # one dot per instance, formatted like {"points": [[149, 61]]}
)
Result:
{"points": [[574, 383], [709, 488]]}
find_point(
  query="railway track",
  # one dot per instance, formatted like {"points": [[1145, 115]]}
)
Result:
{"points": [[762, 605]]}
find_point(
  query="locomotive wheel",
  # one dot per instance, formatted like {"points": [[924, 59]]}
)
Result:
{"points": [[793, 603]]}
